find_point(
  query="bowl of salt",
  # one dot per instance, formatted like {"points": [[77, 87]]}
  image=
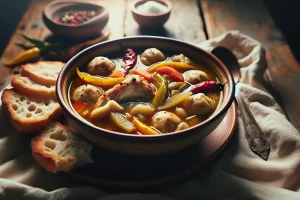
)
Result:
{"points": [[151, 13]]}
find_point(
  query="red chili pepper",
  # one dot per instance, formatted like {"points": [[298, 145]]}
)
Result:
{"points": [[129, 59], [206, 87]]}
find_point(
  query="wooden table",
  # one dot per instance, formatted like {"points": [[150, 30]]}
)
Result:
{"points": [[192, 21]]}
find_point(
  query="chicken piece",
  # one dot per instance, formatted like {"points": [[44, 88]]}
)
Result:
{"points": [[181, 112], [133, 88], [165, 122], [198, 104], [151, 56], [181, 58], [182, 126], [103, 111], [101, 66], [86, 94], [195, 76]]}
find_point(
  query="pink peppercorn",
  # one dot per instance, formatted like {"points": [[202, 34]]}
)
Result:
{"points": [[58, 21], [74, 22]]}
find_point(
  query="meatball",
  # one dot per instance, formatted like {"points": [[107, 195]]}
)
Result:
{"points": [[165, 122], [181, 58], [101, 66], [195, 76], [151, 56], [86, 93], [198, 104]]}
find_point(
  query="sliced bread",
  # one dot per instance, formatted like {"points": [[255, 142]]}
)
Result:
{"points": [[25, 85], [29, 114], [56, 148], [43, 72]]}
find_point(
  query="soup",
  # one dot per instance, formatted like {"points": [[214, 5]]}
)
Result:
{"points": [[149, 93]]}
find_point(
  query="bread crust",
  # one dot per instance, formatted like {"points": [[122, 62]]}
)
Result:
{"points": [[23, 88], [30, 71], [51, 162], [28, 125], [46, 159]]}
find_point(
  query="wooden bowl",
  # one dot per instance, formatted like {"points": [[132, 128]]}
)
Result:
{"points": [[89, 28], [143, 144], [151, 20]]}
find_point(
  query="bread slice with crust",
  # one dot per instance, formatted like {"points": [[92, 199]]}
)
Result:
{"points": [[43, 72], [29, 114], [56, 148], [25, 85]]}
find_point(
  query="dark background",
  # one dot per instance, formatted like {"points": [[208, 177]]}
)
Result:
{"points": [[286, 14]]}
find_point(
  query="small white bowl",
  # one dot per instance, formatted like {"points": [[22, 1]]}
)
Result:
{"points": [[89, 28], [154, 20]]}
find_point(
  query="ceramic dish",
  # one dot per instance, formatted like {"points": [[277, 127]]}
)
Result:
{"points": [[89, 28], [126, 171], [151, 20], [143, 144]]}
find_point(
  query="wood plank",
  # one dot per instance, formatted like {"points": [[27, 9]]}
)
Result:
{"points": [[32, 24], [184, 23], [28, 24], [252, 18]]}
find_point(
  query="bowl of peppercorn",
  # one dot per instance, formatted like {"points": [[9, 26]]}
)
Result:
{"points": [[76, 19]]}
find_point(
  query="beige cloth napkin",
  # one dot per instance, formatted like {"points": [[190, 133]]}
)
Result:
{"points": [[237, 174]]}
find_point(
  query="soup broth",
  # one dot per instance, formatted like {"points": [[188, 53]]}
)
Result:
{"points": [[150, 93]]}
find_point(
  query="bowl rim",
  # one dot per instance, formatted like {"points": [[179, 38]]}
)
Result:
{"points": [[217, 114], [167, 3], [101, 15]]}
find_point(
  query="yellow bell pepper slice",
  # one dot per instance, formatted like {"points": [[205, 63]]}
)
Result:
{"points": [[98, 81], [175, 65], [175, 100], [121, 122], [161, 91], [143, 128], [24, 56]]}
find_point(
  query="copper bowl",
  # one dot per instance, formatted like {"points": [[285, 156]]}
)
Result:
{"points": [[143, 144], [154, 20]]}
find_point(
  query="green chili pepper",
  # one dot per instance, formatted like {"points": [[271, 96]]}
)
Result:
{"points": [[23, 46], [40, 43], [161, 92]]}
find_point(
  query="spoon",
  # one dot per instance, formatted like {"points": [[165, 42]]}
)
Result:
{"points": [[256, 138]]}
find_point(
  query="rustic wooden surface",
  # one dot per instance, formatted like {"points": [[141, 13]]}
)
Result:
{"points": [[191, 21], [32, 24], [252, 18]]}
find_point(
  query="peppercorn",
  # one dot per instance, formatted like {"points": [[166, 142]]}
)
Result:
{"points": [[75, 17]]}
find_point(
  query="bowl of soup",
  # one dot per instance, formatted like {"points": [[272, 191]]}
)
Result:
{"points": [[144, 95]]}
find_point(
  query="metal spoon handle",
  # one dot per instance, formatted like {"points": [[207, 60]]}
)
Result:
{"points": [[256, 138]]}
